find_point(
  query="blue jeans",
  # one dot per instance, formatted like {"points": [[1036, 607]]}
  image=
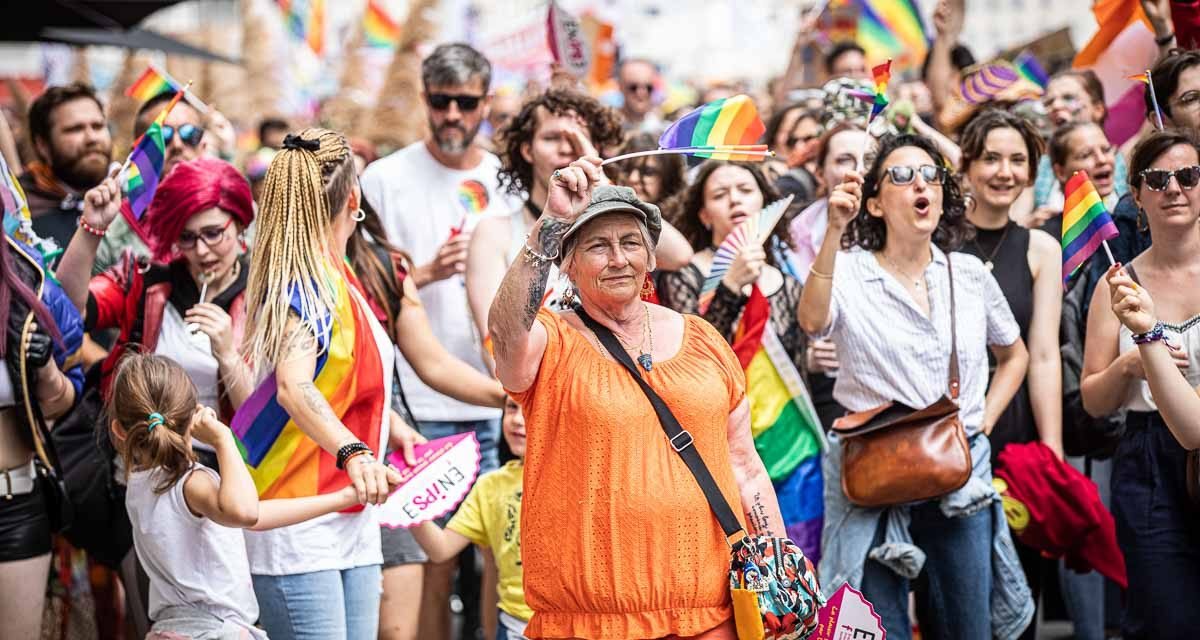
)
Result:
{"points": [[486, 431], [954, 589], [323, 605]]}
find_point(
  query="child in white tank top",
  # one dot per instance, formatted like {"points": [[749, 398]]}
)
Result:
{"points": [[186, 519]]}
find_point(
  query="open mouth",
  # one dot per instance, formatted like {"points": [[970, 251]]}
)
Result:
{"points": [[1102, 175], [737, 218], [921, 206]]}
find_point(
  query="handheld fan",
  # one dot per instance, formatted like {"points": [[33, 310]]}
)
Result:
{"points": [[755, 229]]}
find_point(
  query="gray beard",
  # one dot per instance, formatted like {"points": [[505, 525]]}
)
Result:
{"points": [[451, 146]]}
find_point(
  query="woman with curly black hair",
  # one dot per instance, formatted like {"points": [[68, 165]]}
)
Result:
{"points": [[551, 130], [888, 286]]}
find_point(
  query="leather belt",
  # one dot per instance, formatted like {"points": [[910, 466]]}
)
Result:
{"points": [[17, 481]]}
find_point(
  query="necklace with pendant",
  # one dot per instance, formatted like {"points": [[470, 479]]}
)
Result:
{"points": [[989, 257], [644, 358], [917, 282]]}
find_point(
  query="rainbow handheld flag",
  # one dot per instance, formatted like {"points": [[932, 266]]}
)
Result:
{"points": [[1148, 80], [882, 74], [1030, 69], [283, 461], [787, 433], [892, 29], [1086, 224], [381, 29], [725, 129], [306, 21], [144, 166], [150, 84]]}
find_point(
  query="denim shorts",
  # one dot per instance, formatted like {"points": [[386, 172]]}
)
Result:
{"points": [[322, 605]]}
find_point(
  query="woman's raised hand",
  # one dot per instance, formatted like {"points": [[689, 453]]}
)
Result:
{"points": [[844, 201], [1131, 304], [102, 203], [571, 188]]}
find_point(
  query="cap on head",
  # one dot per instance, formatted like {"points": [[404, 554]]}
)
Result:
{"points": [[608, 199]]}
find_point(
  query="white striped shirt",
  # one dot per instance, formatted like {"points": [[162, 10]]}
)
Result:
{"points": [[890, 351]]}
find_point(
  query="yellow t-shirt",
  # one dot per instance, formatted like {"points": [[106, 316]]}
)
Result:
{"points": [[490, 516]]}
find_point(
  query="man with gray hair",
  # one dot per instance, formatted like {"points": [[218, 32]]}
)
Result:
{"points": [[430, 195]]}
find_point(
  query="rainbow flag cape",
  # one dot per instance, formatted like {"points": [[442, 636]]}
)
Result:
{"points": [[306, 20], [1030, 69], [150, 84], [787, 433], [892, 29], [1085, 224], [882, 74], [725, 129], [381, 29], [284, 462], [145, 163]]}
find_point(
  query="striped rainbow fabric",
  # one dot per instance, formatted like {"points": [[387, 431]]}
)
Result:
{"points": [[892, 29], [1085, 225], [719, 130], [787, 433], [306, 20], [283, 461], [150, 84], [381, 29]]}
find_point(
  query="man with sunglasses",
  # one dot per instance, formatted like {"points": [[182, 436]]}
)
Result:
{"points": [[183, 139], [638, 77], [430, 195]]}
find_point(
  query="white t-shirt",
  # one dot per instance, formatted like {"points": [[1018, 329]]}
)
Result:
{"points": [[420, 202], [335, 541], [192, 561]]}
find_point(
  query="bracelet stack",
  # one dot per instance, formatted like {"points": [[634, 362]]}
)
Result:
{"points": [[533, 258], [351, 450], [1153, 335]]}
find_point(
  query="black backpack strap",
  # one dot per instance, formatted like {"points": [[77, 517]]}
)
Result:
{"points": [[678, 437]]}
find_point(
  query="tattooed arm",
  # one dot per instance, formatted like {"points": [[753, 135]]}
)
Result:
{"points": [[519, 342], [311, 412], [754, 485]]}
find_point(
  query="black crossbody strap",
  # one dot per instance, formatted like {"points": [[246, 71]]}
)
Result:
{"points": [[678, 437]]}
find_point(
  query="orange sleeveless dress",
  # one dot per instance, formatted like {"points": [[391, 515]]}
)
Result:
{"points": [[617, 540]]}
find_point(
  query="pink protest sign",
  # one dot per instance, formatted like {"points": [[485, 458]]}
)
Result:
{"points": [[445, 470], [848, 616]]}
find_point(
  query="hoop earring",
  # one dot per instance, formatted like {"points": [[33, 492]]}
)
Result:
{"points": [[358, 216], [1142, 223], [567, 299]]}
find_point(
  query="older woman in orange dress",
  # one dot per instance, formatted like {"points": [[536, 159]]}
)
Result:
{"points": [[618, 540]]}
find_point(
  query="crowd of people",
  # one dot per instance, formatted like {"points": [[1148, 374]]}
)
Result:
{"points": [[246, 352]]}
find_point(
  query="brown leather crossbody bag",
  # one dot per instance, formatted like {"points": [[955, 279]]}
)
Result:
{"points": [[894, 454]]}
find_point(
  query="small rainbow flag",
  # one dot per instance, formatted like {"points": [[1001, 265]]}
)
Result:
{"points": [[282, 460], [382, 31], [306, 21], [787, 433], [145, 163], [892, 29], [882, 74], [1085, 224], [150, 84], [1030, 69], [1148, 79], [731, 124]]}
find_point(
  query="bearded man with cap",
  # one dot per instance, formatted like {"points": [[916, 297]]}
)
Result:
{"points": [[618, 540]]}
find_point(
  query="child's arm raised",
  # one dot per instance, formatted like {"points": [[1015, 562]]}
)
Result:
{"points": [[439, 544], [233, 502], [273, 514]]}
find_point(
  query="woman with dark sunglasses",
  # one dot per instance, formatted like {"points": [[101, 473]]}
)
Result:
{"points": [[184, 302], [880, 287], [1126, 367]]}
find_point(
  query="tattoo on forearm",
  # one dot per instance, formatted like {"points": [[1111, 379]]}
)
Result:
{"points": [[550, 236], [756, 517], [316, 402]]}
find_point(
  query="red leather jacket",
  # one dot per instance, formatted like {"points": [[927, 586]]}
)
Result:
{"points": [[132, 297]]}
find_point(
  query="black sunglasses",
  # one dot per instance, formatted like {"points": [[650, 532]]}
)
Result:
{"points": [[210, 235], [441, 101], [902, 175], [190, 134], [634, 87], [1158, 179]]}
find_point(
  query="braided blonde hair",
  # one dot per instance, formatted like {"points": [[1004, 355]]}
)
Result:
{"points": [[306, 184]]}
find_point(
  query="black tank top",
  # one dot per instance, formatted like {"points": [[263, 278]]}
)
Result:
{"points": [[1006, 251]]}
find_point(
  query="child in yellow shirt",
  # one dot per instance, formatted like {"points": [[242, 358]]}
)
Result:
{"points": [[490, 517]]}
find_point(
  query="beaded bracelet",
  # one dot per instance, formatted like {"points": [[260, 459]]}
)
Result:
{"points": [[83, 224], [349, 451], [1153, 335]]}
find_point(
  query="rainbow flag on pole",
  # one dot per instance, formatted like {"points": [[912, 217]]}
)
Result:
{"points": [[150, 84], [892, 29], [1086, 224], [306, 21], [1028, 66], [787, 432], [283, 461], [381, 29], [719, 130], [883, 75], [145, 163]]}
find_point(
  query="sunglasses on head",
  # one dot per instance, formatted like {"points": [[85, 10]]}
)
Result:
{"points": [[901, 175], [190, 134], [441, 101], [1158, 179], [210, 235], [635, 87]]}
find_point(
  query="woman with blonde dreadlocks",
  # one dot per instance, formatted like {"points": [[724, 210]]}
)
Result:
{"points": [[320, 418]]}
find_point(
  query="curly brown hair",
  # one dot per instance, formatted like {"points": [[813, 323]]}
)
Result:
{"points": [[683, 210], [603, 125]]}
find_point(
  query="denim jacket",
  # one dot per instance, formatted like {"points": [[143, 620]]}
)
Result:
{"points": [[849, 532]]}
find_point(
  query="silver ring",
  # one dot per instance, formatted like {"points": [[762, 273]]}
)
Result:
{"points": [[556, 175]]}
